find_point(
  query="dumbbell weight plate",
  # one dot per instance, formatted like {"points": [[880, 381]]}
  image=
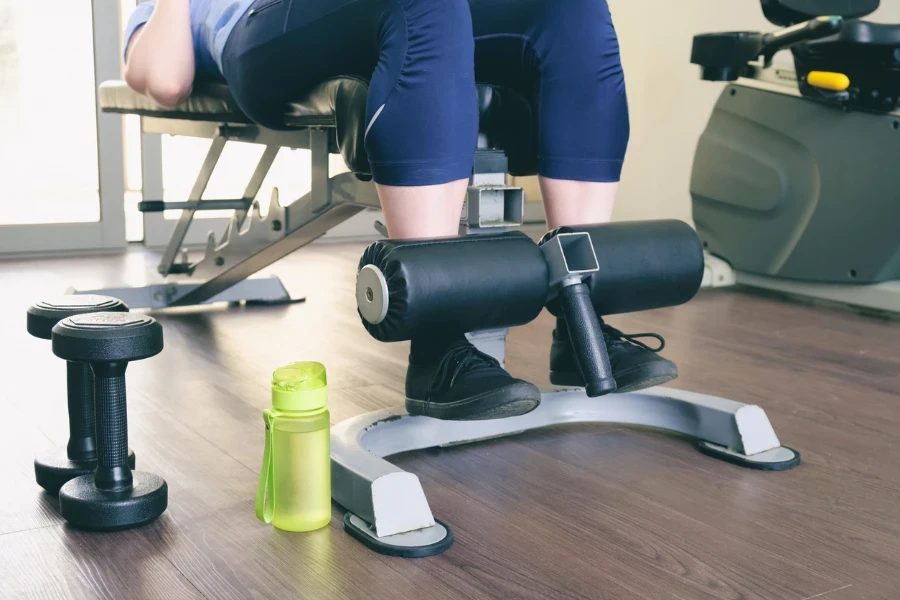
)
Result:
{"points": [[44, 315], [85, 506], [53, 468]]}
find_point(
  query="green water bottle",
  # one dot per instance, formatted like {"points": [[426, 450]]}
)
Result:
{"points": [[294, 492]]}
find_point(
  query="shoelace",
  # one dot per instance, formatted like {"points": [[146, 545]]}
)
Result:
{"points": [[460, 358], [633, 338]]}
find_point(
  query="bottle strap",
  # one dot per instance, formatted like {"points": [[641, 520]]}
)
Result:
{"points": [[265, 496]]}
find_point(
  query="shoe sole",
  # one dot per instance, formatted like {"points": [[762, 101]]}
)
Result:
{"points": [[511, 401], [567, 379]]}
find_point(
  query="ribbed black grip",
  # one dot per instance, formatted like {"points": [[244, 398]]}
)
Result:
{"points": [[587, 339], [80, 382], [112, 432]]}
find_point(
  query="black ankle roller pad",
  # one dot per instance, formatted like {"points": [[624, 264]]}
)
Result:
{"points": [[502, 280], [457, 284], [643, 265]]}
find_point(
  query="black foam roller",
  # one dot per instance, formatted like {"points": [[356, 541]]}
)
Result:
{"points": [[461, 284], [643, 265]]}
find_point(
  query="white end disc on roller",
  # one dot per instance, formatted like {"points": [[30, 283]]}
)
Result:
{"points": [[372, 294]]}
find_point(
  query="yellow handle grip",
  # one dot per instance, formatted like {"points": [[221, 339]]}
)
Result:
{"points": [[824, 80]]}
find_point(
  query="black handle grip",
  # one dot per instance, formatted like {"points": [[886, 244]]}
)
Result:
{"points": [[82, 442], [113, 471], [151, 206], [587, 339], [809, 31]]}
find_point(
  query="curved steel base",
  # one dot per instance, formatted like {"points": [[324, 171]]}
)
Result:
{"points": [[390, 502]]}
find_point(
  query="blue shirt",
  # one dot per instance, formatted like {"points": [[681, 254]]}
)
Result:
{"points": [[211, 22]]}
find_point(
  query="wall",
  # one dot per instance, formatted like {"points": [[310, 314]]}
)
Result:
{"points": [[669, 103]]}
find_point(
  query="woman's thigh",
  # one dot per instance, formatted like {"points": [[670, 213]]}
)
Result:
{"points": [[421, 111], [564, 56], [281, 48]]}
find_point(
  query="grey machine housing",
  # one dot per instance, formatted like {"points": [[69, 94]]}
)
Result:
{"points": [[798, 195]]}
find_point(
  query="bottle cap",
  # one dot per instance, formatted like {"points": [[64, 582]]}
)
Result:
{"points": [[300, 386]]}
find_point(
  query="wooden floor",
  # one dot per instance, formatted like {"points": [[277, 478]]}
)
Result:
{"points": [[570, 512]]}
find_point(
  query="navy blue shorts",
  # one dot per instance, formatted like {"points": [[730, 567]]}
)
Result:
{"points": [[424, 57]]}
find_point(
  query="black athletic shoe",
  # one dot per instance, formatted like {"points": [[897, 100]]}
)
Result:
{"points": [[465, 384], [635, 365]]}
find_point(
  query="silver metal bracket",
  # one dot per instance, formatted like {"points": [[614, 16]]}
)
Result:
{"points": [[571, 258], [493, 205], [491, 342]]}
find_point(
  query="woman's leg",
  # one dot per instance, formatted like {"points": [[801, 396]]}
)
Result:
{"points": [[569, 202], [422, 127], [421, 113], [564, 55], [423, 130], [417, 212]]}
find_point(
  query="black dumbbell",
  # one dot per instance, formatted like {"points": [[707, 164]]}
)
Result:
{"points": [[55, 467], [113, 497]]}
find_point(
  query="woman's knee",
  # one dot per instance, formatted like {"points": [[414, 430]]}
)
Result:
{"points": [[422, 112]]}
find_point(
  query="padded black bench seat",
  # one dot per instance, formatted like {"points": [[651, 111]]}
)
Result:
{"points": [[213, 102], [339, 103], [207, 103], [507, 118]]}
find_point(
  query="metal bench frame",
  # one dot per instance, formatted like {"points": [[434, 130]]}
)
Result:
{"points": [[251, 242], [387, 507]]}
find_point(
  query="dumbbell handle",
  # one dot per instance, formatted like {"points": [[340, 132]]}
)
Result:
{"points": [[587, 339], [82, 441], [113, 471]]}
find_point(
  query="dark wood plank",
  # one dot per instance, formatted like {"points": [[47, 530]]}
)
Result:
{"points": [[569, 512], [58, 562]]}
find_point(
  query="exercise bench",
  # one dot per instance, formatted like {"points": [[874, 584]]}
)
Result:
{"points": [[621, 268], [329, 120]]}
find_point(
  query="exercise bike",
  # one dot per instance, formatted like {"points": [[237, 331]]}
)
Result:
{"points": [[793, 186]]}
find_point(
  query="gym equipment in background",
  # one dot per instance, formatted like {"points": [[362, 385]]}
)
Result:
{"points": [[329, 120], [503, 280], [793, 186], [114, 496], [55, 467]]}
